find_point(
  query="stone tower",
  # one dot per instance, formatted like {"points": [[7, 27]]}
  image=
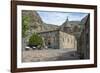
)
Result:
{"points": [[66, 27]]}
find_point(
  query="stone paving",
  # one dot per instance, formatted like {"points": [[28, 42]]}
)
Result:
{"points": [[49, 55]]}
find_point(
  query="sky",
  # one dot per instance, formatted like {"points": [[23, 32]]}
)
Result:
{"points": [[58, 18]]}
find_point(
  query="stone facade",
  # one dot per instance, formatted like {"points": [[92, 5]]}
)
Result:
{"points": [[67, 41], [57, 39], [50, 39], [84, 40]]}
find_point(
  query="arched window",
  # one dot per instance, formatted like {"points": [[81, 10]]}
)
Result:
{"points": [[68, 40]]}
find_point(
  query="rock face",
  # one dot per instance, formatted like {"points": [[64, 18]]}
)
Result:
{"points": [[36, 24], [33, 15], [49, 27], [35, 21]]}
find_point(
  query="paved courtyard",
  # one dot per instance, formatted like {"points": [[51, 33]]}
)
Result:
{"points": [[49, 55]]}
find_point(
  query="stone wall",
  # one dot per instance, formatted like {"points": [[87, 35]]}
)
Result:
{"points": [[59, 40], [50, 39], [84, 40], [67, 41]]}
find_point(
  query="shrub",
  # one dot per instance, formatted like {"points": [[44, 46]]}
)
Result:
{"points": [[35, 40], [25, 26]]}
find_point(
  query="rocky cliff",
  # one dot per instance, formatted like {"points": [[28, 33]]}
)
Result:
{"points": [[36, 24]]}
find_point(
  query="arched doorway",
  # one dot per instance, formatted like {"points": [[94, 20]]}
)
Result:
{"points": [[49, 42]]}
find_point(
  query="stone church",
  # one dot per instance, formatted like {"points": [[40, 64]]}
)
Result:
{"points": [[58, 39]]}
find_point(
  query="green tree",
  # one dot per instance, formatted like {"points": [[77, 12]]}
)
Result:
{"points": [[25, 26], [35, 39]]}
